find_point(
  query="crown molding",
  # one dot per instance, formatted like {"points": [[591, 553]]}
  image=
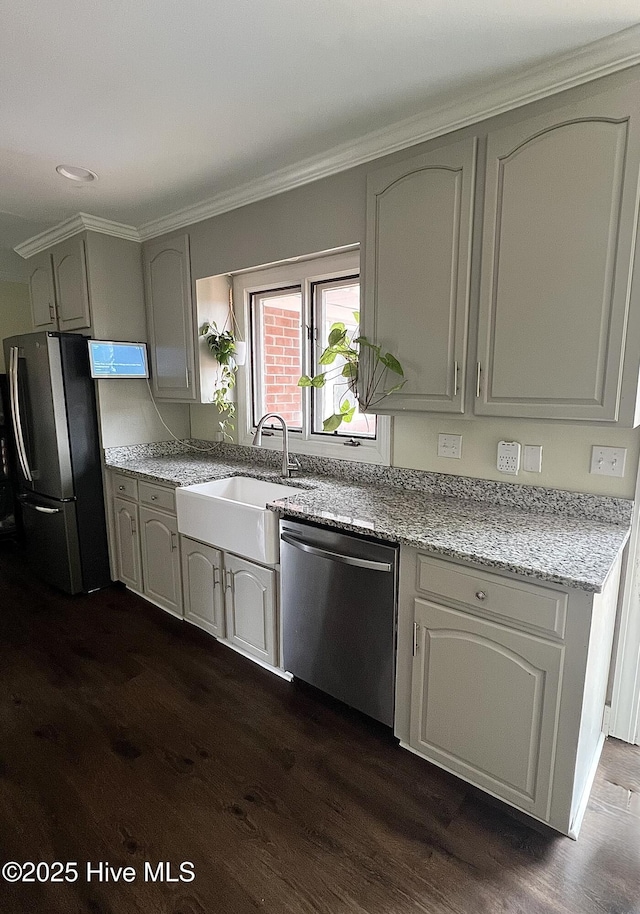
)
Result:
{"points": [[600, 58], [79, 223]]}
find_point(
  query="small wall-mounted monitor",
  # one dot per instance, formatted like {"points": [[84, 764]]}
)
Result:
{"points": [[109, 359]]}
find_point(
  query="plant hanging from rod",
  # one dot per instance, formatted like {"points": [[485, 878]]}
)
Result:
{"points": [[223, 346], [370, 374]]}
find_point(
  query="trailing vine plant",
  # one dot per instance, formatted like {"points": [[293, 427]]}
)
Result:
{"points": [[222, 345], [370, 374]]}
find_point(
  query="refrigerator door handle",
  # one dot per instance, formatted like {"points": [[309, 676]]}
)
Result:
{"points": [[41, 508], [14, 355]]}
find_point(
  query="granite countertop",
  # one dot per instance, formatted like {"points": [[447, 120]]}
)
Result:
{"points": [[552, 545]]}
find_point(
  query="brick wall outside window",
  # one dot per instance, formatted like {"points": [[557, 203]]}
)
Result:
{"points": [[282, 363]]}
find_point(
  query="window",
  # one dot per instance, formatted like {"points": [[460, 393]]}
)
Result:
{"points": [[288, 311]]}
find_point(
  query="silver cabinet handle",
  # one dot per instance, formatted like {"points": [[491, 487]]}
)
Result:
{"points": [[335, 556], [478, 373], [154, 498], [174, 542], [132, 524], [121, 488], [481, 595], [455, 378]]}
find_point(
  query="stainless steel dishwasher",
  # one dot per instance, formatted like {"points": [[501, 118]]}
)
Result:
{"points": [[339, 599]]}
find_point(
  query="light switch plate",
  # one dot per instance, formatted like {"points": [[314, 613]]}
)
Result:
{"points": [[508, 457], [608, 461], [532, 458], [450, 446]]}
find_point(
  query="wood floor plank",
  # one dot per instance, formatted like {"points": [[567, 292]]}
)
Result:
{"points": [[129, 737]]}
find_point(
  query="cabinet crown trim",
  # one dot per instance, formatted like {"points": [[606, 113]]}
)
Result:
{"points": [[599, 58], [81, 222]]}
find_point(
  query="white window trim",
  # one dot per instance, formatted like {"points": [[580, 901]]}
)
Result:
{"points": [[304, 273]]}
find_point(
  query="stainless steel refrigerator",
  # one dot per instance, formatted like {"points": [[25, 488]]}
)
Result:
{"points": [[53, 413]]}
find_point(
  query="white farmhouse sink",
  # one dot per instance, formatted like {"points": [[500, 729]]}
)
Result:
{"points": [[232, 514]]}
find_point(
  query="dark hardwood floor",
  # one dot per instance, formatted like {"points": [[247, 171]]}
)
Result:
{"points": [[126, 736]]}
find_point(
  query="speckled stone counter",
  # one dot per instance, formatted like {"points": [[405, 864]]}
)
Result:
{"points": [[544, 534]]}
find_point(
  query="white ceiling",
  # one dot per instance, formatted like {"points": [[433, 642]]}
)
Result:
{"points": [[174, 102]]}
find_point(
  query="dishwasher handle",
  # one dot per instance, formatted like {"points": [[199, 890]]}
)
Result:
{"points": [[335, 556]]}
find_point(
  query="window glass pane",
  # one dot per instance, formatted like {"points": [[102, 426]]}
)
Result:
{"points": [[337, 301], [277, 355]]}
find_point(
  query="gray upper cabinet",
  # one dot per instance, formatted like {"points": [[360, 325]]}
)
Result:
{"points": [[559, 215], [59, 287], [71, 284], [417, 265], [169, 299], [42, 292]]}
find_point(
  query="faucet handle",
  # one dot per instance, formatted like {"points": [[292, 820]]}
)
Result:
{"points": [[293, 466]]}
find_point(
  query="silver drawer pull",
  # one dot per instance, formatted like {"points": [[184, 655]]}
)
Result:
{"points": [[121, 488], [154, 498], [481, 595]]}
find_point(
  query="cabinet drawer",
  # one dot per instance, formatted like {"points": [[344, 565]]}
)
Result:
{"points": [[529, 605], [157, 496], [125, 486]]}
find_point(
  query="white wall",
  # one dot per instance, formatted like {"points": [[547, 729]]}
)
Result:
{"points": [[127, 415], [15, 313], [566, 450]]}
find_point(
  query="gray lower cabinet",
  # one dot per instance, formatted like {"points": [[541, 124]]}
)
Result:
{"points": [[161, 559], [503, 682], [203, 587], [145, 542], [499, 729], [127, 543], [250, 608]]}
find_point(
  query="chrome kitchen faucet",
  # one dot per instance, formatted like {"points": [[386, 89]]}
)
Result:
{"points": [[289, 464]]}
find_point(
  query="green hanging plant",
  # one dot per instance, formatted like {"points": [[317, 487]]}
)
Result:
{"points": [[222, 345], [371, 375]]}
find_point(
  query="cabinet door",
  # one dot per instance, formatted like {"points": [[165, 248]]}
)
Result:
{"points": [[418, 249], [161, 559], [72, 284], [485, 703], [560, 210], [41, 290], [202, 586], [170, 318], [250, 608], [127, 543]]}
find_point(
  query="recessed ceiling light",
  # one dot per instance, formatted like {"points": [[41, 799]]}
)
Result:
{"points": [[75, 173]]}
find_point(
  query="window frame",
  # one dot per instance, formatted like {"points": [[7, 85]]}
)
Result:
{"points": [[303, 273]]}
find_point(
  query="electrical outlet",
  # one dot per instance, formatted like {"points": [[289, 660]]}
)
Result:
{"points": [[608, 461], [508, 457], [532, 458], [450, 446]]}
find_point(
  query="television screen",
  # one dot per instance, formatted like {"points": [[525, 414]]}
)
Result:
{"points": [[110, 359]]}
